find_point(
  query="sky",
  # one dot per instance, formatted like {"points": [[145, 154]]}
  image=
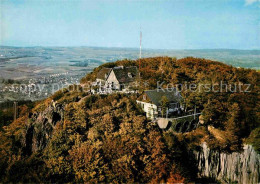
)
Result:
{"points": [[165, 24]]}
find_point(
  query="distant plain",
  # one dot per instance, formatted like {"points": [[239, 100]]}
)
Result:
{"points": [[33, 62]]}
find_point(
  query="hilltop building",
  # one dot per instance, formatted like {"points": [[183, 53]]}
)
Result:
{"points": [[161, 102], [102, 76], [116, 79]]}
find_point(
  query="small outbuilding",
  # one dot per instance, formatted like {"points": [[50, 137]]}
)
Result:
{"points": [[161, 102]]}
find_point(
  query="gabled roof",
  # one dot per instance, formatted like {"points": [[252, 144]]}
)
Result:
{"points": [[103, 73], [155, 96], [126, 74]]}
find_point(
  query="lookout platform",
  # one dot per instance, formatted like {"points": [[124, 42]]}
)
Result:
{"points": [[180, 124]]}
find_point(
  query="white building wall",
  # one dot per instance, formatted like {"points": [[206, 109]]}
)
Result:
{"points": [[112, 79], [150, 109], [100, 82]]}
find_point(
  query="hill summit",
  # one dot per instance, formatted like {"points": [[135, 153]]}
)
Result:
{"points": [[78, 136]]}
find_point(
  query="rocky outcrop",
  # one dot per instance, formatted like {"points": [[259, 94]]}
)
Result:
{"points": [[40, 127], [235, 167]]}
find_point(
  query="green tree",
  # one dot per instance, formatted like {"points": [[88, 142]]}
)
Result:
{"points": [[233, 127], [164, 105]]}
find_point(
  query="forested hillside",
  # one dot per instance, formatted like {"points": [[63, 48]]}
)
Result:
{"points": [[230, 112], [74, 136]]}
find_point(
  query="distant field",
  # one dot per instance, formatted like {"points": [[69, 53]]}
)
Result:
{"points": [[31, 62], [65, 65]]}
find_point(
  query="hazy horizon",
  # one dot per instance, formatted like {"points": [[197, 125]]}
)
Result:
{"points": [[134, 48]]}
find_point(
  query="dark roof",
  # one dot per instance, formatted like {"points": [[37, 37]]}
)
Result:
{"points": [[102, 73], [155, 96], [122, 74]]}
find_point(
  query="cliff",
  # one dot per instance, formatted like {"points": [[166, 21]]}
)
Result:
{"points": [[237, 167], [40, 128]]}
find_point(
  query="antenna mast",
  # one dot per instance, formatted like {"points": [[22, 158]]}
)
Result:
{"points": [[140, 56]]}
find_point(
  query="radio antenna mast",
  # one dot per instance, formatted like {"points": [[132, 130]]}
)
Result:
{"points": [[140, 56]]}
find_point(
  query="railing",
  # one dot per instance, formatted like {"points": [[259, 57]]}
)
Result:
{"points": [[184, 116]]}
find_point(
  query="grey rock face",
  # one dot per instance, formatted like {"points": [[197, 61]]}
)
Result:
{"points": [[236, 167], [40, 128]]}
